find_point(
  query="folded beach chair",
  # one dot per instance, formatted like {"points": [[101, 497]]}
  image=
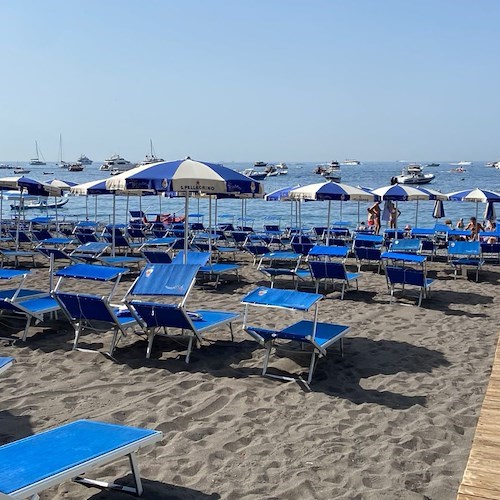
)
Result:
{"points": [[89, 312], [314, 336], [5, 363], [463, 254], [407, 269], [33, 464], [173, 282], [19, 302]]}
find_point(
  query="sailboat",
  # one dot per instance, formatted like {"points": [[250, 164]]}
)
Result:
{"points": [[151, 157], [61, 163], [36, 160]]}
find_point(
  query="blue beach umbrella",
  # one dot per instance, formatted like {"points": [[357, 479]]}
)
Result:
{"points": [[185, 177], [438, 211], [331, 191], [283, 194], [475, 195], [489, 212]]}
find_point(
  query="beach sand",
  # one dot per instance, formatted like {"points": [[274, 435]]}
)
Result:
{"points": [[393, 419]]}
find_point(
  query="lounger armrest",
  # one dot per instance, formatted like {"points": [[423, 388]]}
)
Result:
{"points": [[261, 335]]}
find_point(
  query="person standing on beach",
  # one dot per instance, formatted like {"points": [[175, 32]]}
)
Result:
{"points": [[394, 213], [374, 211]]}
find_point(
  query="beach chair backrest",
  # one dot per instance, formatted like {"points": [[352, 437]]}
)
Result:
{"points": [[164, 315], [324, 252], [470, 248], [405, 245], [395, 274], [165, 280], [405, 276], [84, 306], [193, 258], [302, 248], [327, 270], [367, 253], [257, 249], [157, 257]]}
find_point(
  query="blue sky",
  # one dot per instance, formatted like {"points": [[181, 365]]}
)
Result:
{"points": [[251, 80]]}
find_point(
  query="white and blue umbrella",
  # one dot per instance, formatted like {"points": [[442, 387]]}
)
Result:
{"points": [[438, 212], [475, 195], [489, 212], [185, 177], [331, 191], [283, 194]]}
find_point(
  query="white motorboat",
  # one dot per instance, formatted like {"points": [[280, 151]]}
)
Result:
{"points": [[413, 174], [272, 171], [75, 167], [462, 163], [497, 165], [332, 175], [350, 162], [41, 203], [84, 160], [254, 174], [116, 161], [260, 164], [282, 168], [36, 160], [21, 170]]}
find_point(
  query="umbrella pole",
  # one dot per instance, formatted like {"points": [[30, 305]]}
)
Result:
{"points": [[95, 209], [328, 223], [113, 239], [186, 227], [21, 203], [210, 228], [416, 215]]}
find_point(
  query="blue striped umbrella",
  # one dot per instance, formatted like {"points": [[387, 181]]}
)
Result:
{"points": [[475, 195], [438, 211]]}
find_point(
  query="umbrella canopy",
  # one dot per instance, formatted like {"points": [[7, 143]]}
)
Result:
{"points": [[330, 191], [475, 195], [31, 186], [433, 194], [401, 192], [59, 183], [282, 194], [489, 212], [438, 211], [186, 176]]}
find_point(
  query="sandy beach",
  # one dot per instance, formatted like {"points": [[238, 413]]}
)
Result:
{"points": [[393, 419]]}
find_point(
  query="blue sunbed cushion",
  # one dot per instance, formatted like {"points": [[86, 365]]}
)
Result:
{"points": [[44, 455], [7, 274], [91, 272], [165, 279], [274, 297]]}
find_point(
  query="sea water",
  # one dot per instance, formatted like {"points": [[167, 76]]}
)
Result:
{"points": [[257, 212]]}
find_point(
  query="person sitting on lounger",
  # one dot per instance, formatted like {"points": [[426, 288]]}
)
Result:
{"points": [[474, 227]]}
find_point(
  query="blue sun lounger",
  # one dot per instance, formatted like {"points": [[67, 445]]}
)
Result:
{"points": [[17, 302], [207, 270], [87, 312], [463, 254], [33, 464], [316, 335], [158, 318], [5, 363], [407, 269]]}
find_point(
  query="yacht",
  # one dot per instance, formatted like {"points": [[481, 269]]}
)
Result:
{"points": [[332, 175], [272, 171], [282, 168], [260, 164], [497, 165], [151, 157], [116, 161], [351, 162], [328, 169], [413, 174], [84, 160], [254, 174]]}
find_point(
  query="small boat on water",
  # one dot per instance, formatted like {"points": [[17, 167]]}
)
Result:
{"points": [[116, 161], [332, 176], [84, 160], [282, 168], [350, 162], [21, 170], [462, 163], [151, 157], [432, 165], [75, 167], [458, 170], [256, 175], [412, 174], [39, 204], [260, 164], [497, 165], [272, 171]]}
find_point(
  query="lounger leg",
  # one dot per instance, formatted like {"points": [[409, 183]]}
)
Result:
{"points": [[26, 329], [113, 486], [189, 349], [151, 336], [266, 358], [114, 341], [231, 330], [311, 367], [77, 335], [420, 296]]}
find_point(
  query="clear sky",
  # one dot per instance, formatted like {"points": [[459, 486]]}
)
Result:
{"points": [[234, 80]]}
